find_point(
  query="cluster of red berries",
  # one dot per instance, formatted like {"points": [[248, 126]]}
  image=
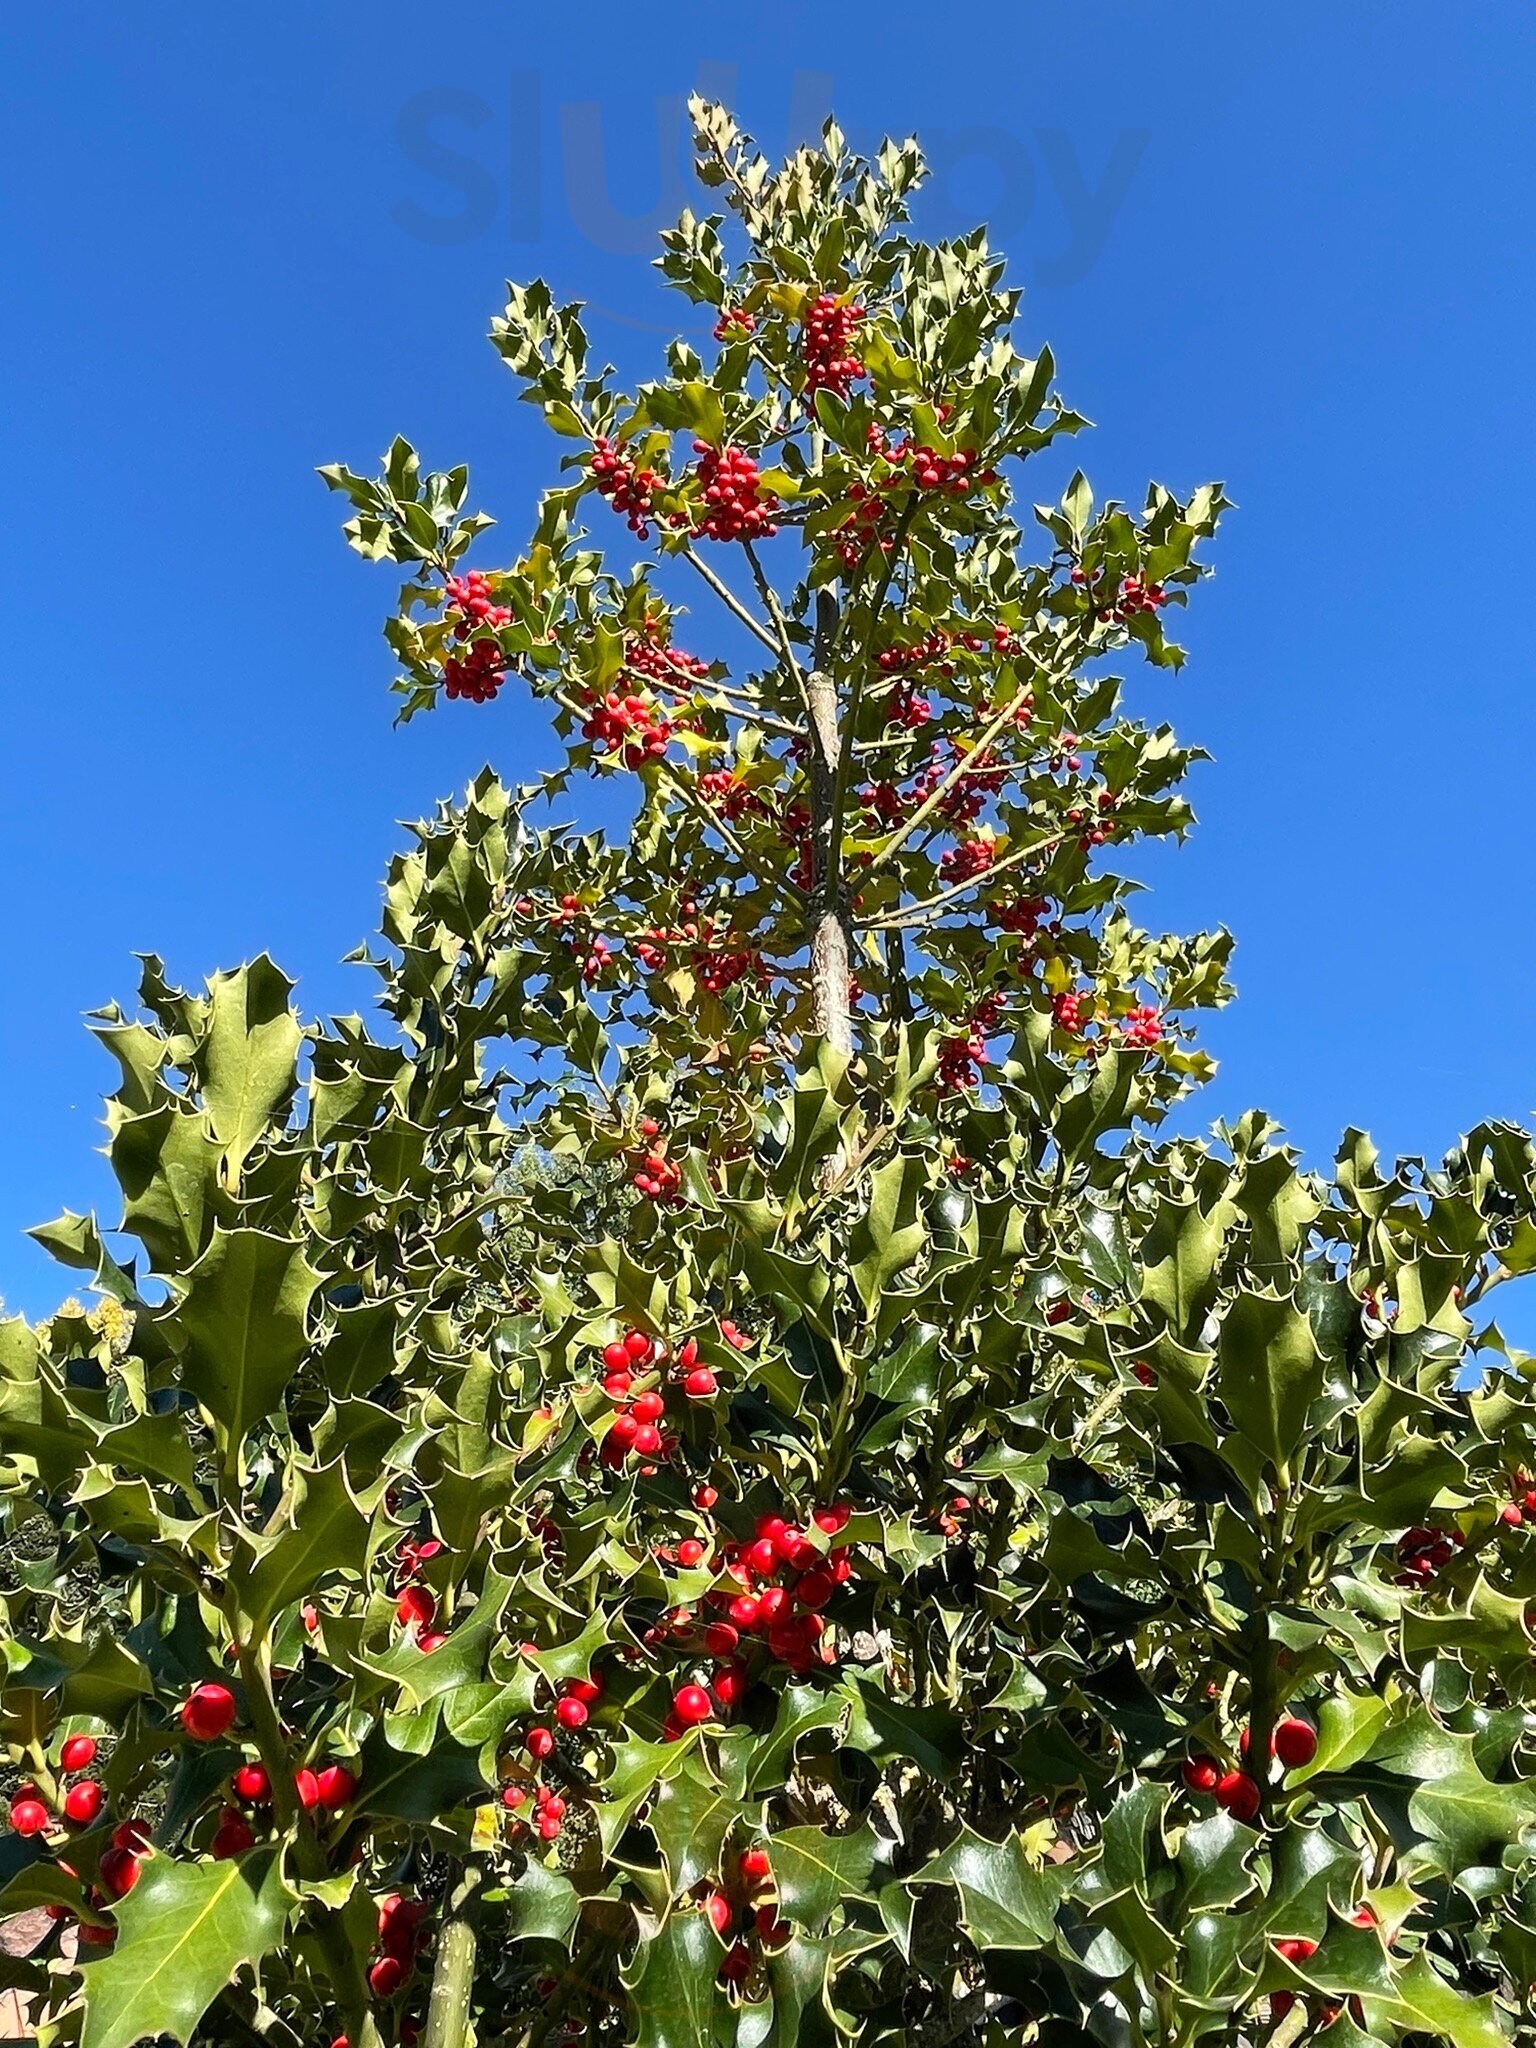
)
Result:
{"points": [[897, 660], [1022, 916], [862, 529], [630, 726], [1098, 831], [961, 1058], [739, 508], [635, 1431], [416, 1608], [715, 959], [826, 340], [963, 863], [82, 1803], [402, 1936], [785, 1582], [648, 654], [657, 1177], [572, 1710], [952, 1518], [1292, 1740], [470, 604], [1142, 1027], [1134, 595], [549, 1808], [734, 320], [476, 675], [1421, 1553], [1067, 1011], [729, 794], [628, 490], [740, 1914]]}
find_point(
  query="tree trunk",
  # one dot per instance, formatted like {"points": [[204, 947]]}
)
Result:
{"points": [[453, 1978], [831, 932]]}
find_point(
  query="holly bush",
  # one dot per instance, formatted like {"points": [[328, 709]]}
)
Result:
{"points": [[717, 1474]]}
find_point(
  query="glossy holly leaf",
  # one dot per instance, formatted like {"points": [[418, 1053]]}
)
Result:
{"points": [[401, 1785], [675, 1999], [1349, 1725], [1007, 1899], [184, 1931], [248, 1057], [802, 1710], [885, 1728], [242, 1324], [539, 1905], [815, 1871], [691, 1818], [1269, 1370], [326, 1537]]}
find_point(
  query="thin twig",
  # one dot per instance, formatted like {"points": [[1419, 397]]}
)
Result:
{"points": [[731, 601], [770, 598]]}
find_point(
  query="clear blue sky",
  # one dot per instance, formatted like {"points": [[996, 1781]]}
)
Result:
{"points": [[1289, 247]]}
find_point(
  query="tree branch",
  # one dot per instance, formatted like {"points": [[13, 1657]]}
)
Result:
{"points": [[917, 913]]}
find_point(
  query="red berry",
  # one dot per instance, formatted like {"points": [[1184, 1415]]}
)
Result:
{"points": [[571, 1713], [692, 1704], [772, 1606], [648, 1408], [770, 1927], [738, 1964], [514, 1796], [307, 1785], [78, 1753], [208, 1712], [132, 1835], [588, 1690], [119, 1872], [814, 1589], [729, 1685], [337, 1786], [386, 1976], [1201, 1773], [720, 1912], [647, 1440], [705, 1497], [616, 1357], [539, 1742], [721, 1639], [83, 1802], [252, 1784], [744, 1611], [417, 1607], [1296, 1949], [1295, 1742], [434, 1639], [1239, 1795], [700, 1384], [637, 1345], [28, 1816], [234, 1837], [756, 1866], [690, 1552]]}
